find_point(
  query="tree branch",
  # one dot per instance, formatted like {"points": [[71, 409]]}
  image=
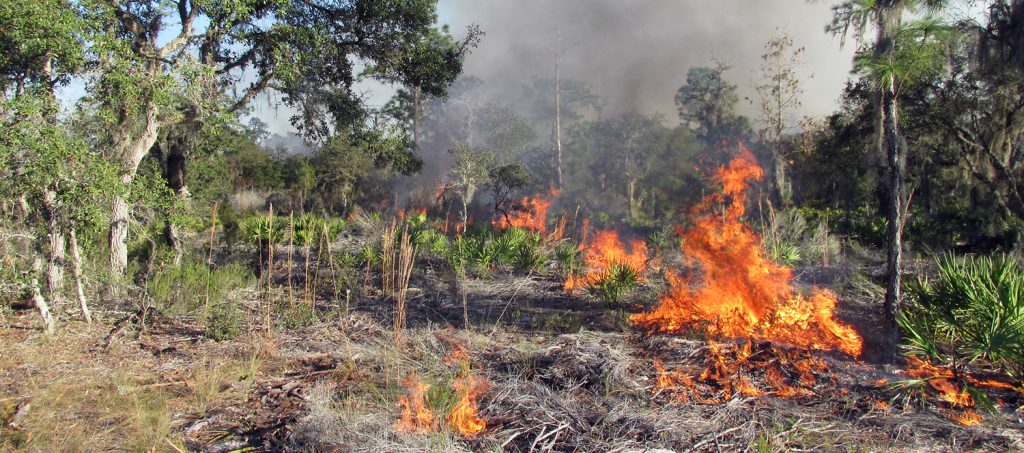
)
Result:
{"points": [[254, 89], [187, 17]]}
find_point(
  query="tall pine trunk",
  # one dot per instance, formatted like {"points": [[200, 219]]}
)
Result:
{"points": [[892, 146], [896, 157]]}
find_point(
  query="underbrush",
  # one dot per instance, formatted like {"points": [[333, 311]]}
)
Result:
{"points": [[970, 316], [790, 238], [198, 290]]}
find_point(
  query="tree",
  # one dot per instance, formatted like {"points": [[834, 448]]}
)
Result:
{"points": [[40, 50], [573, 98], [504, 133], [707, 105], [629, 145], [900, 54], [779, 89], [471, 169], [504, 180], [306, 51]]}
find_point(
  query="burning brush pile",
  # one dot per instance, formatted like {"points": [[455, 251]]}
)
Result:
{"points": [[740, 297]]}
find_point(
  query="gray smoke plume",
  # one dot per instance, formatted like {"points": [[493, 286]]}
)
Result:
{"points": [[635, 54]]}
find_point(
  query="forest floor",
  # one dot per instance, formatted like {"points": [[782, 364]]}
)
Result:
{"points": [[564, 373]]}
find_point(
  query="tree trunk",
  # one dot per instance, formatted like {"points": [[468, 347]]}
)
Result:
{"points": [[892, 146], [175, 172], [634, 203], [44, 309], [416, 117], [558, 126], [896, 156], [783, 195], [55, 262], [558, 112], [76, 271], [128, 149], [119, 236]]}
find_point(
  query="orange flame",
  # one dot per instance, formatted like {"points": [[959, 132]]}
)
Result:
{"points": [[604, 250], [744, 293], [942, 380], [966, 418], [416, 416], [464, 417], [533, 218]]}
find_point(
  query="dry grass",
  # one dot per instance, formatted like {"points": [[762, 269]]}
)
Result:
{"points": [[80, 405]]}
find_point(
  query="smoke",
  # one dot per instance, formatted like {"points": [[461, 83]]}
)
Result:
{"points": [[635, 54]]}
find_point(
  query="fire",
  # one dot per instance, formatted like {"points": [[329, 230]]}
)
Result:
{"points": [[943, 381], [742, 368], [464, 417], [416, 416], [966, 418], [744, 294], [533, 218], [603, 251], [674, 381]]}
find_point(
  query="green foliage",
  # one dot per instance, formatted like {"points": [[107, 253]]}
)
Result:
{"points": [[507, 243], [39, 154], [223, 320], [569, 258], [530, 256], [195, 289], [707, 105], [790, 238], [972, 314], [260, 230], [458, 253], [617, 281], [299, 315]]}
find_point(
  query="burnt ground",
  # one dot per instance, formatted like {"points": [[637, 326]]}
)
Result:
{"points": [[566, 373]]}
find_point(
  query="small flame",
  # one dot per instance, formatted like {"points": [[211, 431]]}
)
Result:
{"points": [[604, 250], [674, 381], [882, 406], [416, 416], [533, 217], [465, 417], [744, 294], [966, 418], [944, 382]]}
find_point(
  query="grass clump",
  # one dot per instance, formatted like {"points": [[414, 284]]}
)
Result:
{"points": [[196, 289], [619, 280], [970, 315]]}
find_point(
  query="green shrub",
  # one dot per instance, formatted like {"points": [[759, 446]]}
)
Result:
{"points": [[222, 320], [615, 283], [483, 254], [431, 240], [569, 258], [970, 315], [258, 229], [790, 238], [530, 256], [298, 316], [308, 228], [783, 253], [194, 289], [506, 246]]}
